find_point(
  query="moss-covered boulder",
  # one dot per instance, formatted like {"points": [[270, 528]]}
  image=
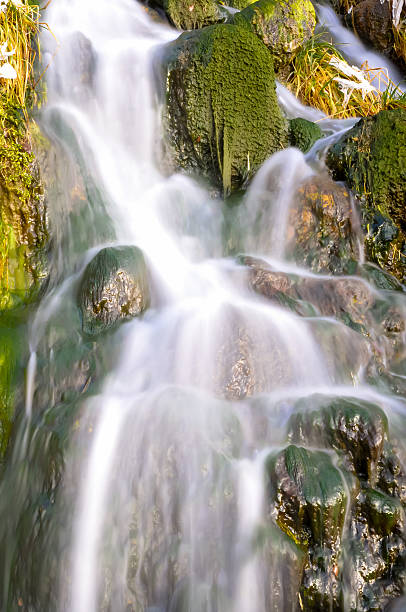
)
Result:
{"points": [[114, 288], [23, 223], [355, 428], [222, 116], [371, 157], [303, 133], [322, 227], [283, 25], [187, 15]]}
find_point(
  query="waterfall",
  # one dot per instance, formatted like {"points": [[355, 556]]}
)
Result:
{"points": [[163, 497]]}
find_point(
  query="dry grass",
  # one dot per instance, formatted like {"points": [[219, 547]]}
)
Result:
{"points": [[19, 27], [313, 80]]}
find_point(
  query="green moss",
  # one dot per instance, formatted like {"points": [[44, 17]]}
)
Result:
{"points": [[222, 113], [22, 218], [371, 157], [283, 25], [303, 134]]}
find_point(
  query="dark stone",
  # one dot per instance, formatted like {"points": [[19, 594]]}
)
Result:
{"points": [[114, 288]]}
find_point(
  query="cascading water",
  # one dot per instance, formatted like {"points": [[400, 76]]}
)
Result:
{"points": [[164, 476]]}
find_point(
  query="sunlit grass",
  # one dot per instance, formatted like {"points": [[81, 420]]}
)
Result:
{"points": [[19, 29], [317, 81]]}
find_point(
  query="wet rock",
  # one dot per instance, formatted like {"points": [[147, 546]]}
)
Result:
{"points": [[385, 513], [353, 427], [347, 299], [303, 133], [375, 557], [189, 15], [114, 288], [222, 116], [308, 502], [284, 26], [322, 228], [379, 278], [371, 157], [308, 496]]}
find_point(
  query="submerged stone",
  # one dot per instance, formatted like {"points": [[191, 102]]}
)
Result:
{"points": [[303, 133], [283, 25], [371, 157], [114, 288], [222, 116], [356, 428]]}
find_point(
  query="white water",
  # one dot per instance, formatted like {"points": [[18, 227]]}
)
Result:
{"points": [[169, 491]]}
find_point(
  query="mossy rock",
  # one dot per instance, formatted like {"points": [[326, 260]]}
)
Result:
{"points": [[23, 222], [114, 288], [371, 157], [356, 428], [283, 25], [309, 496], [187, 15], [222, 116], [303, 133]]}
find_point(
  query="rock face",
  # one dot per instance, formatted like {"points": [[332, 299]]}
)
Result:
{"points": [[191, 15], [283, 25], [322, 233], [303, 134], [222, 116], [114, 288], [371, 157]]}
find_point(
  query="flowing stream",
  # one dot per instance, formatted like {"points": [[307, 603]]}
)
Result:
{"points": [[163, 480]]}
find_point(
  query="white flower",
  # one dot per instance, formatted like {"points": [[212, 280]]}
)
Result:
{"points": [[4, 54], [7, 72], [357, 81]]}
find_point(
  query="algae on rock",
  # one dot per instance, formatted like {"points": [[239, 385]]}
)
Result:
{"points": [[222, 115]]}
